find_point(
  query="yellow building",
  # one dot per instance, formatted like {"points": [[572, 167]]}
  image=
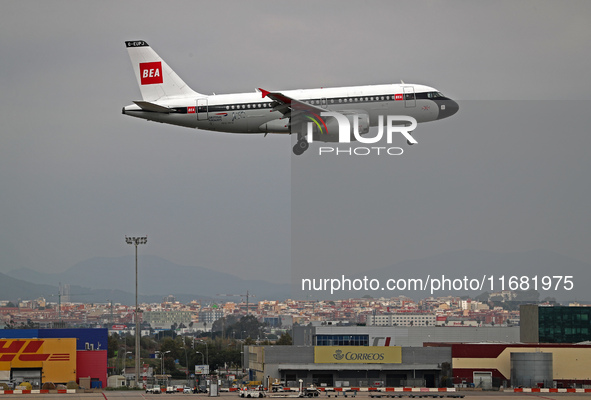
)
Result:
{"points": [[38, 360]]}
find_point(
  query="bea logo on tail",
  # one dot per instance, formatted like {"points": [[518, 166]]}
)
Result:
{"points": [[151, 73]]}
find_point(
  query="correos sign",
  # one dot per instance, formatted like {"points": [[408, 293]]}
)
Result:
{"points": [[357, 354]]}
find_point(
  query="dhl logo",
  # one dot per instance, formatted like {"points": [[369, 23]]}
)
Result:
{"points": [[27, 351]]}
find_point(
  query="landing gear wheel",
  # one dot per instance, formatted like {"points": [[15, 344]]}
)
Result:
{"points": [[300, 147]]}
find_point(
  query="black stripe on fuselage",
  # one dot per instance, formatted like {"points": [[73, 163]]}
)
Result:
{"points": [[333, 101]]}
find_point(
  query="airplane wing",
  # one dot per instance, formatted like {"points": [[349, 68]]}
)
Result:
{"points": [[290, 107]]}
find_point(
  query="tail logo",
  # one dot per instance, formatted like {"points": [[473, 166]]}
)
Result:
{"points": [[151, 73]]}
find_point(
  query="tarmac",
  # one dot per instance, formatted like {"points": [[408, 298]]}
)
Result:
{"points": [[131, 394]]}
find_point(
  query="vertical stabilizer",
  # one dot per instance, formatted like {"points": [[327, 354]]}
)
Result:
{"points": [[156, 79]]}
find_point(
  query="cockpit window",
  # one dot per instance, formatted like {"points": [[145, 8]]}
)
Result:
{"points": [[434, 95]]}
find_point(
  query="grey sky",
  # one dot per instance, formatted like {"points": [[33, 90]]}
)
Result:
{"points": [[77, 176]]}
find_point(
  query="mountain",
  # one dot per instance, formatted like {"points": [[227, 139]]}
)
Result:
{"points": [[476, 264], [157, 277], [14, 289], [101, 278]]}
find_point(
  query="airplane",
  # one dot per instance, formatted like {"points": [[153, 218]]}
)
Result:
{"points": [[166, 98]]}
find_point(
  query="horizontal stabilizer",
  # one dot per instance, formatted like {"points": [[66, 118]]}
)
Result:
{"points": [[147, 106]]}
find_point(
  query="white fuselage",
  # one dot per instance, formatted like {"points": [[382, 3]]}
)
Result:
{"points": [[251, 113]]}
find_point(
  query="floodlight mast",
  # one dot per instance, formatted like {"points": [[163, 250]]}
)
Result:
{"points": [[136, 241]]}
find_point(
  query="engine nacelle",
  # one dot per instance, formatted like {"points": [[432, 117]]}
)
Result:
{"points": [[357, 121]]}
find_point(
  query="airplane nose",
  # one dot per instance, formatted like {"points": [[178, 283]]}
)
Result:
{"points": [[447, 108]]}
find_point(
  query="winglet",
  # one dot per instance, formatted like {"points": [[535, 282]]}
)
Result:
{"points": [[264, 92]]}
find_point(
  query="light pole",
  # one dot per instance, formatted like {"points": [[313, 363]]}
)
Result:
{"points": [[162, 353], [125, 361], [186, 364], [202, 357], [118, 354], [202, 361], [136, 241], [125, 353], [206, 351]]}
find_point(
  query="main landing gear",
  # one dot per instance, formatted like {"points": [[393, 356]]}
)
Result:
{"points": [[301, 146]]}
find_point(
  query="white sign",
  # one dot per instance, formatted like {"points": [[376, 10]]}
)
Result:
{"points": [[201, 369]]}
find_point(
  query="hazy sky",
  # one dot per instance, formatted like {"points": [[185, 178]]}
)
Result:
{"points": [[502, 175]]}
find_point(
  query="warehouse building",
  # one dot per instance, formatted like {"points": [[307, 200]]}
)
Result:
{"points": [[349, 366], [489, 365], [53, 355]]}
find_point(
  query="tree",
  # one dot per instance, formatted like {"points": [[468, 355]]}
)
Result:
{"points": [[284, 340], [222, 324], [112, 345], [249, 341], [246, 326]]}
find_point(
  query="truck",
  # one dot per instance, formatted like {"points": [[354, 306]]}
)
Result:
{"points": [[251, 392], [153, 389], [310, 391]]}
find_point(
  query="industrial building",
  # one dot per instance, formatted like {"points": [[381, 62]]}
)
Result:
{"points": [[487, 357], [349, 366], [358, 356], [519, 365], [53, 355]]}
